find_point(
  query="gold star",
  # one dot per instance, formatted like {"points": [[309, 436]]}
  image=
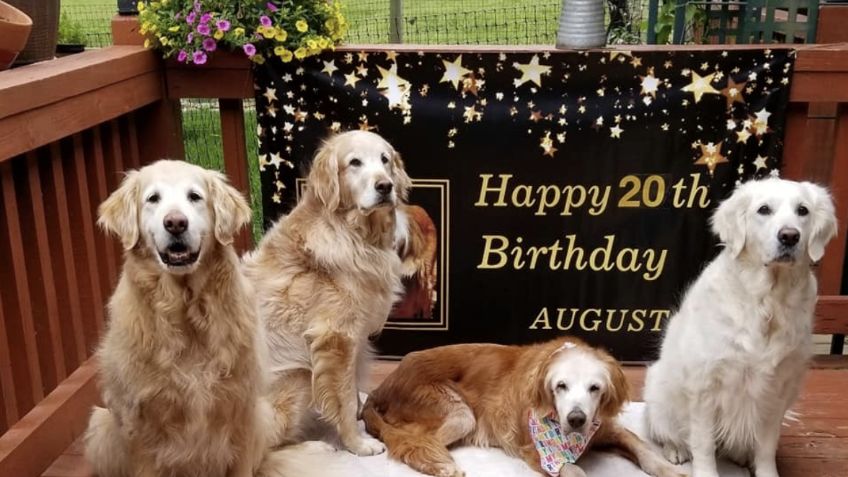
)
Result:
{"points": [[616, 53], [300, 116], [535, 116], [616, 131], [547, 145], [650, 84], [362, 70], [760, 162], [319, 116], [762, 116], [329, 67], [351, 79], [390, 78], [733, 92], [471, 84], [270, 94], [471, 114], [636, 61], [532, 71], [742, 136], [711, 156], [700, 86], [363, 124], [276, 160], [271, 110], [336, 126], [454, 72], [391, 56], [363, 57], [263, 161]]}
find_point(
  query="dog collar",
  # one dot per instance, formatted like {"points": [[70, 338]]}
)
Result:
{"points": [[556, 449]]}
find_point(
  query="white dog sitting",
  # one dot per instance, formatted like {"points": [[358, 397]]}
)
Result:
{"points": [[735, 352]]}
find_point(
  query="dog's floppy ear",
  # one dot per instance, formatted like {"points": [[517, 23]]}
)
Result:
{"points": [[118, 214], [229, 205], [323, 179], [729, 220], [617, 392], [541, 397], [823, 220], [402, 181]]}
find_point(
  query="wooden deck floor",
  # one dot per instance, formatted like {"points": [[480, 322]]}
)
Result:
{"points": [[815, 446]]}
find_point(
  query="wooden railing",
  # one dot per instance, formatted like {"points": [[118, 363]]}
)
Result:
{"points": [[69, 127]]}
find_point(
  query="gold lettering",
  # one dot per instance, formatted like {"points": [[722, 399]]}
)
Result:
{"points": [[599, 202], [528, 200], [633, 265], [560, 313], [605, 251], [485, 189], [542, 318], [660, 315], [545, 202], [654, 270], [622, 316], [488, 249], [570, 200], [597, 321], [638, 317]]}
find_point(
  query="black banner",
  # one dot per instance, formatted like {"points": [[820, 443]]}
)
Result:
{"points": [[559, 192]]}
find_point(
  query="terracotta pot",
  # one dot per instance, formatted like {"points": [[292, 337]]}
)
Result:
{"points": [[15, 26]]}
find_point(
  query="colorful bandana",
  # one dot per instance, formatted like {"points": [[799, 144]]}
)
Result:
{"points": [[556, 450]]}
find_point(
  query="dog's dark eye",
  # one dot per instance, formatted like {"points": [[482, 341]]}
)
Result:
{"points": [[594, 388], [355, 162], [802, 211], [384, 158], [561, 386], [764, 210], [153, 199], [194, 197]]}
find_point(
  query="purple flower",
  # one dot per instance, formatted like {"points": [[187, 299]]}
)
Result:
{"points": [[265, 21], [209, 44], [203, 29], [197, 5], [223, 25], [190, 18], [199, 57], [272, 7], [190, 38], [249, 49], [205, 18], [182, 56]]}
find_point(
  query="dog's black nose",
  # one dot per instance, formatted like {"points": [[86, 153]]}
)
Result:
{"points": [[383, 187], [788, 236], [175, 223], [576, 419]]}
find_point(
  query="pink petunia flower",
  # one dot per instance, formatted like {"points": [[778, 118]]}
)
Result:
{"points": [[190, 18], [203, 29], [199, 57], [205, 18], [265, 21], [182, 56], [223, 25], [272, 7], [209, 44], [190, 38], [249, 49]]}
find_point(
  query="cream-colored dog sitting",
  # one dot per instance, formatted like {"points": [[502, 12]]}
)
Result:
{"points": [[326, 277], [181, 365]]}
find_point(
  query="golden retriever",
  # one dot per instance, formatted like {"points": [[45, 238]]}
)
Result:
{"points": [[735, 353], [484, 394], [419, 266], [326, 277], [181, 370]]}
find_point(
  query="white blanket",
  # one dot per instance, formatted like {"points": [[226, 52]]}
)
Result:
{"points": [[478, 462]]}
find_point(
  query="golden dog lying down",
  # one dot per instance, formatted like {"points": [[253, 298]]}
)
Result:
{"points": [[485, 394]]}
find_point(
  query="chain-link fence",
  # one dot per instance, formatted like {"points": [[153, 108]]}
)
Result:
{"points": [[91, 20]]}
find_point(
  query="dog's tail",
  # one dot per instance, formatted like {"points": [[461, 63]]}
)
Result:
{"points": [[420, 450], [105, 447], [311, 459]]}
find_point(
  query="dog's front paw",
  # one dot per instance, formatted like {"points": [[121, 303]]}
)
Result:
{"points": [[365, 446], [674, 454], [447, 470]]}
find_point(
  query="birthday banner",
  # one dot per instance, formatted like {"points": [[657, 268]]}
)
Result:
{"points": [[557, 192]]}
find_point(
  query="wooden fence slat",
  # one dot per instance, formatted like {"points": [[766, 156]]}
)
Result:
{"points": [[30, 356], [84, 235], [7, 380], [132, 143], [115, 160], [51, 303], [98, 168], [70, 284], [235, 156]]}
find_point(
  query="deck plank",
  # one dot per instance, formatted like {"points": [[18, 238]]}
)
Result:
{"points": [[815, 445]]}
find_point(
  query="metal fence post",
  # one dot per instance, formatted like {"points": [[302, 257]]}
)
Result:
{"points": [[679, 22], [653, 9], [396, 21]]}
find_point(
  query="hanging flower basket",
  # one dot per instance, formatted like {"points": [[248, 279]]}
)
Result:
{"points": [[192, 30]]}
